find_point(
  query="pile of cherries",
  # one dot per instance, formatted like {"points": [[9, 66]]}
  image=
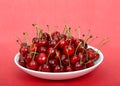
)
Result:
{"points": [[56, 52]]}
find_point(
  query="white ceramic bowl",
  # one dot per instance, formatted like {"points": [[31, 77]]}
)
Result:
{"points": [[61, 75]]}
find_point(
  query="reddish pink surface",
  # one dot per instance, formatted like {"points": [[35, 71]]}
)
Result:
{"points": [[102, 16]]}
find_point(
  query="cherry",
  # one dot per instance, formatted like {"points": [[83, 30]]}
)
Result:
{"points": [[46, 68], [24, 50], [53, 63], [78, 66], [51, 52], [22, 61], [46, 36], [42, 42], [74, 59], [63, 43], [69, 49], [64, 60], [68, 68], [32, 65], [41, 58], [52, 43], [28, 57], [58, 68], [42, 49], [89, 63]]}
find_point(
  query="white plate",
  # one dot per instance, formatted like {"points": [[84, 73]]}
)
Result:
{"points": [[61, 75]]}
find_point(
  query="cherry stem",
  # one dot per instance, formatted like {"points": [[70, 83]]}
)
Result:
{"points": [[92, 40], [38, 29], [102, 43], [59, 59], [18, 40], [68, 58], [48, 58], [34, 54], [77, 47], [57, 44], [79, 32], [26, 37], [49, 32], [68, 31]]}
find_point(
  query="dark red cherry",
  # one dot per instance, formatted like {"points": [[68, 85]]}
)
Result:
{"points": [[69, 50], [41, 58], [46, 36], [68, 68], [42, 42], [28, 57], [82, 57], [33, 48], [52, 43], [53, 63], [46, 68], [35, 40], [24, 50], [58, 68], [74, 59], [63, 43], [89, 63], [22, 61], [51, 52], [32, 65], [42, 49], [78, 66], [64, 60]]}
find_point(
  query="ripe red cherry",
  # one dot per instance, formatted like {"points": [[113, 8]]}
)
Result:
{"points": [[28, 57], [53, 63], [78, 66], [41, 58], [68, 68], [82, 57], [62, 44], [42, 49], [24, 50], [46, 68], [69, 50], [22, 61], [89, 63], [64, 60], [52, 43], [74, 59], [58, 68], [35, 40], [51, 51], [33, 48], [42, 42], [46, 36], [32, 65]]}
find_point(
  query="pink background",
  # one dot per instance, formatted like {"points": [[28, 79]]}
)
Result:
{"points": [[101, 16]]}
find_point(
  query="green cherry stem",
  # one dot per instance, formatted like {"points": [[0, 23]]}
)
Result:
{"points": [[49, 32]]}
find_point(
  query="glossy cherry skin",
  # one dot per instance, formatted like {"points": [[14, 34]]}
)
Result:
{"points": [[64, 60], [74, 59], [33, 48], [24, 50], [78, 66], [46, 36], [41, 58], [68, 68], [53, 63], [42, 49], [58, 68], [42, 42], [46, 68], [51, 52], [69, 50], [82, 57], [28, 57], [35, 40], [32, 65], [52, 43], [62, 43], [89, 63], [22, 61]]}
